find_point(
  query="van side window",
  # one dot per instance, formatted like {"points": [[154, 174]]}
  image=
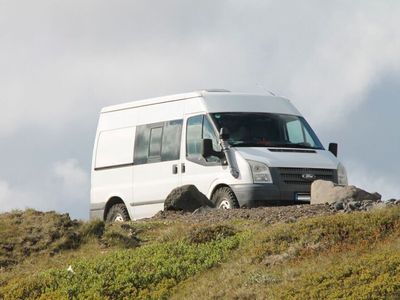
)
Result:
{"points": [[194, 136], [171, 141], [155, 142], [209, 133], [158, 142], [199, 128], [141, 144]]}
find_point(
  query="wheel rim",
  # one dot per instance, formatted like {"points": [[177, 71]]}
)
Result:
{"points": [[118, 218], [225, 204]]}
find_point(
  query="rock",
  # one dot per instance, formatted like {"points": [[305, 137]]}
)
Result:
{"points": [[328, 192], [203, 210], [353, 205], [397, 202], [379, 205], [336, 206], [367, 204], [186, 198]]}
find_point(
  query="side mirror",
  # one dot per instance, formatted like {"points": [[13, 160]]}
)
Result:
{"points": [[333, 147], [207, 149], [224, 134]]}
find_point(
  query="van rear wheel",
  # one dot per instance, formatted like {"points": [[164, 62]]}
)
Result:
{"points": [[118, 213], [224, 198]]}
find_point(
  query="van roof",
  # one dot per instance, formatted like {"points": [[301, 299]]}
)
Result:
{"points": [[176, 97]]}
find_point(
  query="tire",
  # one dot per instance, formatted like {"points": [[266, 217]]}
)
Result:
{"points": [[117, 213], [224, 198]]}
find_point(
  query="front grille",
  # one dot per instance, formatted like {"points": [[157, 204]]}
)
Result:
{"points": [[294, 176]]}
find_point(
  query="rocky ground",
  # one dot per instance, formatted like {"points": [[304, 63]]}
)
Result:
{"points": [[267, 215]]}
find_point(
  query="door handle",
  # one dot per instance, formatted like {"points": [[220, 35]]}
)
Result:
{"points": [[183, 168], [174, 169]]}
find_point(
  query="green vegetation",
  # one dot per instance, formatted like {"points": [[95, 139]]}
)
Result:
{"points": [[355, 256]]}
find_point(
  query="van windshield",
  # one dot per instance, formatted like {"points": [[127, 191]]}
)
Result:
{"points": [[267, 130]]}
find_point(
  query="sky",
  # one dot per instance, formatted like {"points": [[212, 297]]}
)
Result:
{"points": [[62, 61]]}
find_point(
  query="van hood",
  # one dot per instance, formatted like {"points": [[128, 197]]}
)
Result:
{"points": [[320, 159]]}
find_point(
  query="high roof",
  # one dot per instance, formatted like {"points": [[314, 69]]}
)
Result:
{"points": [[216, 100], [162, 99]]}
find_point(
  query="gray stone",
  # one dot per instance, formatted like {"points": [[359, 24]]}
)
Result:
{"points": [[336, 206], [203, 210], [327, 192], [353, 205], [186, 198], [367, 204], [397, 202], [379, 205]]}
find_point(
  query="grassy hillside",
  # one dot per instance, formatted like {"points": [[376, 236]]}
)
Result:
{"points": [[331, 256]]}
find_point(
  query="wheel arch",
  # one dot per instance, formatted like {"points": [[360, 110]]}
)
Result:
{"points": [[218, 186], [112, 201]]}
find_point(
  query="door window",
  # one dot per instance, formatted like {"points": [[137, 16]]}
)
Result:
{"points": [[171, 141], [193, 136], [199, 128]]}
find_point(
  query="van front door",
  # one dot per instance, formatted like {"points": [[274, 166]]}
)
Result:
{"points": [[156, 169], [199, 171]]}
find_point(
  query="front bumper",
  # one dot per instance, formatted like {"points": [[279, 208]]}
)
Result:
{"points": [[255, 195], [289, 187]]}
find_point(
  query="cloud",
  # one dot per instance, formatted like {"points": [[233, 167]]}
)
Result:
{"points": [[372, 181], [62, 61], [68, 63], [11, 198], [74, 178]]}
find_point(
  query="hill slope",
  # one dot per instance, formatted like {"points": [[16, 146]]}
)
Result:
{"points": [[272, 253]]}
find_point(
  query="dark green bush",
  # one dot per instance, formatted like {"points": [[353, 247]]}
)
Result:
{"points": [[148, 272]]}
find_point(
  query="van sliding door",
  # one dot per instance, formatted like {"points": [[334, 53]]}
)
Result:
{"points": [[156, 160]]}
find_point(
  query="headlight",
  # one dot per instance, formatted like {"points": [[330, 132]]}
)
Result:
{"points": [[342, 175], [260, 171]]}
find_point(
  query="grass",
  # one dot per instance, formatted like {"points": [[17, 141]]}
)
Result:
{"points": [[352, 256]]}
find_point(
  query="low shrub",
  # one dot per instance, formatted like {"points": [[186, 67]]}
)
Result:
{"points": [[204, 234], [373, 275], [308, 236], [124, 235], [148, 272]]}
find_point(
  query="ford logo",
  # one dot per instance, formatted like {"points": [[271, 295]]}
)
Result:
{"points": [[308, 176]]}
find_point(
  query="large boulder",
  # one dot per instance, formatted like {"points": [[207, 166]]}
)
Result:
{"points": [[327, 192], [186, 198]]}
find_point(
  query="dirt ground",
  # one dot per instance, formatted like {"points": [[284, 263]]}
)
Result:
{"points": [[267, 215]]}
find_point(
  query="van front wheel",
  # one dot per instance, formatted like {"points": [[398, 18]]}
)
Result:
{"points": [[118, 213], [224, 198]]}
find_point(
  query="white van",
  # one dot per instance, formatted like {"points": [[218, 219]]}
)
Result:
{"points": [[240, 150]]}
